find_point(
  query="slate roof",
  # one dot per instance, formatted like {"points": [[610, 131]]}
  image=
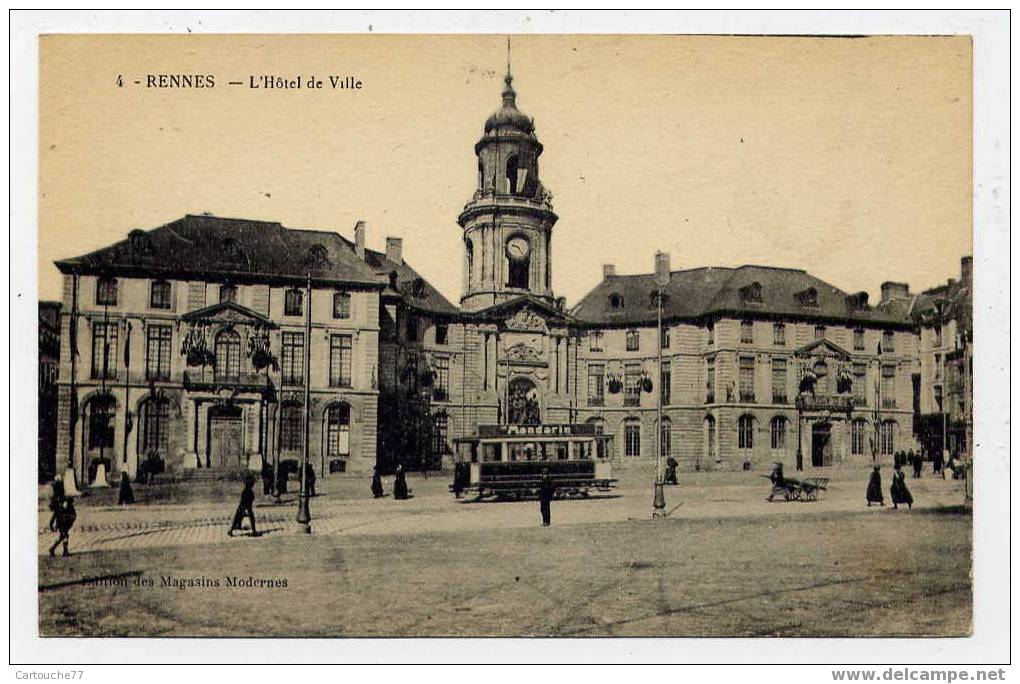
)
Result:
{"points": [[702, 293], [411, 288], [955, 299], [204, 246]]}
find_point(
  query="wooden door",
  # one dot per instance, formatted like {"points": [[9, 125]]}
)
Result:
{"points": [[225, 437]]}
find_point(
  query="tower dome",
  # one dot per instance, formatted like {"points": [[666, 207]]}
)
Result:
{"points": [[508, 116]]}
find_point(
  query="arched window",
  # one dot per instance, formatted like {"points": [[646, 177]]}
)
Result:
{"points": [[481, 175], [710, 436], [615, 301], [154, 417], [778, 432], [338, 430], [745, 432], [511, 174], [469, 253], [858, 429], [228, 355], [665, 439], [291, 426]]}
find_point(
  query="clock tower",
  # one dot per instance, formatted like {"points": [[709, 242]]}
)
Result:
{"points": [[508, 222]]}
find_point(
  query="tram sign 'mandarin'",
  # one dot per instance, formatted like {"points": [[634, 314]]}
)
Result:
{"points": [[528, 430]]}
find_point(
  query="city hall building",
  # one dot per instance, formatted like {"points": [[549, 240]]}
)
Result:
{"points": [[222, 344]]}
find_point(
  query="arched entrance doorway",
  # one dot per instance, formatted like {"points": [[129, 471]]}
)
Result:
{"points": [[224, 445], [821, 444], [98, 433], [523, 403]]}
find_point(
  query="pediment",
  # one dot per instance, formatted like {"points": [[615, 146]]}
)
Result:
{"points": [[228, 313], [823, 348]]}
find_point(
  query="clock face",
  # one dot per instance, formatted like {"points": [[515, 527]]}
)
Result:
{"points": [[517, 248]]}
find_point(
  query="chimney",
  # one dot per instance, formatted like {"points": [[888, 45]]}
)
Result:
{"points": [[662, 269], [891, 291], [394, 247], [359, 239], [967, 271], [608, 270]]}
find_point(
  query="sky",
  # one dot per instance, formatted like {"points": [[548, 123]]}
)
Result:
{"points": [[850, 158]]}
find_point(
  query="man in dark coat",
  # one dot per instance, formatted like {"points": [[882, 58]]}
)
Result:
{"points": [[875, 488], [281, 479], [671, 466], [778, 482], [916, 461], [65, 517], [56, 502], [400, 490], [545, 496], [244, 508], [126, 496], [937, 464], [898, 490], [377, 490]]}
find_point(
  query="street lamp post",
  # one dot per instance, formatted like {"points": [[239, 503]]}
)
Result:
{"points": [[661, 280], [304, 514]]}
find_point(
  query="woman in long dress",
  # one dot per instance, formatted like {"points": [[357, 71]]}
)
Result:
{"points": [[898, 490], [377, 489], [875, 488]]}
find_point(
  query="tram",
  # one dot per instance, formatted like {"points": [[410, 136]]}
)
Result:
{"points": [[509, 461]]}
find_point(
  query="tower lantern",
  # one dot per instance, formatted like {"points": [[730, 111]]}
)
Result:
{"points": [[508, 222]]}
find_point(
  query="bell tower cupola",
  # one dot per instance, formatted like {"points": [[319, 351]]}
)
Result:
{"points": [[508, 222]]}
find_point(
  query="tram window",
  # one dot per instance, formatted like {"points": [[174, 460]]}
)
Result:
{"points": [[561, 452]]}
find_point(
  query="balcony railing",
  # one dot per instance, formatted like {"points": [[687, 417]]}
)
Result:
{"points": [[632, 399], [778, 398], [839, 403], [206, 380], [888, 403], [746, 397], [709, 397], [596, 401]]}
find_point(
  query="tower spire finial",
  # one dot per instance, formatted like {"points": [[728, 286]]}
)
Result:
{"points": [[509, 96]]}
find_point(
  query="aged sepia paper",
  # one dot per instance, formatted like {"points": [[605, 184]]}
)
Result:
{"points": [[505, 336]]}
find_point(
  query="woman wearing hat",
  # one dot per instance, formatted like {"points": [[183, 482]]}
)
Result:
{"points": [[875, 488]]}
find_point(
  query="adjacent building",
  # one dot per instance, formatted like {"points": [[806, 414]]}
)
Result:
{"points": [[49, 371], [220, 344]]}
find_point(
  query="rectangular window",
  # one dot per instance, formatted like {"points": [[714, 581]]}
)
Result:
{"points": [[888, 342], [778, 381], [633, 340], [710, 330], [106, 292], [340, 347], [937, 389], [664, 338], [819, 332], [887, 437], [442, 332], [292, 358], [747, 332], [858, 340], [159, 295], [595, 341], [888, 386], [665, 380], [411, 328], [157, 352], [439, 445], [747, 379], [441, 389], [104, 351], [341, 305], [938, 366], [293, 302], [596, 384], [632, 385], [860, 370], [665, 438], [936, 336], [291, 427], [857, 429], [710, 381], [778, 433], [228, 294], [779, 334], [632, 438]]}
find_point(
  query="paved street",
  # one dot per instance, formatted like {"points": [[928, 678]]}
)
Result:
{"points": [[348, 511]]}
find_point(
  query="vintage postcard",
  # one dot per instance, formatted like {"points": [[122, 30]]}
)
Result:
{"points": [[505, 336]]}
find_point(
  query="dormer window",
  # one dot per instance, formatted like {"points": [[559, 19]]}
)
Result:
{"points": [[318, 256], [232, 252], [808, 297], [418, 288], [140, 243], [615, 301], [750, 294]]}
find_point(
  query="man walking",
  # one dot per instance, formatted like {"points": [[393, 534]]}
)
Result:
{"points": [[65, 517], [545, 496], [244, 508]]}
